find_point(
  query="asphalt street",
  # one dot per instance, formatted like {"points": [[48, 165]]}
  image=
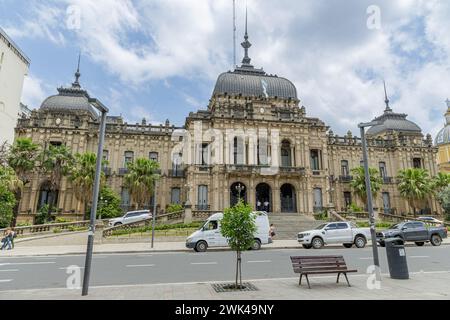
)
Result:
{"points": [[184, 267]]}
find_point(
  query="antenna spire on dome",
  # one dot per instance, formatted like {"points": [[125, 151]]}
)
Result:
{"points": [[76, 84], [386, 99], [246, 44]]}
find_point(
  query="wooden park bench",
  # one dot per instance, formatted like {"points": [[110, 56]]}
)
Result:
{"points": [[320, 265]]}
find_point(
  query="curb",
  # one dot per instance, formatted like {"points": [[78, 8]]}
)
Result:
{"points": [[168, 250]]}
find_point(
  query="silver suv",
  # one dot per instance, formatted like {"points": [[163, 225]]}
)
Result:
{"points": [[130, 217]]}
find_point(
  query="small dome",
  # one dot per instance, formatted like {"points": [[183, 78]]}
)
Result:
{"points": [[443, 137], [69, 100], [254, 82], [391, 121]]}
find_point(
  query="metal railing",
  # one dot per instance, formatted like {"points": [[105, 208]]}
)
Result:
{"points": [[345, 179]]}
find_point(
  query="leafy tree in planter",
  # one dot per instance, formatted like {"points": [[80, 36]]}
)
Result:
{"points": [[238, 226], [108, 204]]}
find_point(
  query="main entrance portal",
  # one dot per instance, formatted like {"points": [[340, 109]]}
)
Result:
{"points": [[287, 195]]}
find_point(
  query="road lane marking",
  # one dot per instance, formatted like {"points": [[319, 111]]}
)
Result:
{"points": [[139, 265], [10, 270], [6, 280], [203, 263], [368, 258], [260, 261], [25, 263], [419, 256], [65, 268]]}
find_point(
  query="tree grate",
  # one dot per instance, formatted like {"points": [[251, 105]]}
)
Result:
{"points": [[229, 287]]}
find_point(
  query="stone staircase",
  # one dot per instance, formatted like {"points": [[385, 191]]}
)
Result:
{"points": [[288, 225]]}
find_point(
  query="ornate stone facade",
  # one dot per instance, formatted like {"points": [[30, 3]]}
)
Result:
{"points": [[254, 134], [443, 143]]}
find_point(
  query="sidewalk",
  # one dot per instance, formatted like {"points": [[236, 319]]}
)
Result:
{"points": [[420, 286], [20, 251]]}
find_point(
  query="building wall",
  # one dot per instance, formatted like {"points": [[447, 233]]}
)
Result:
{"points": [[224, 115], [443, 158], [13, 68]]}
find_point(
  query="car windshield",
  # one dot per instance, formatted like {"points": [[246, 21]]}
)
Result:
{"points": [[321, 226], [395, 226]]}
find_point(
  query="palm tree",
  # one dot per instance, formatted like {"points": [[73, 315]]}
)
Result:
{"points": [[414, 185], [358, 183], [140, 179], [440, 182], [82, 176], [22, 157], [56, 162]]}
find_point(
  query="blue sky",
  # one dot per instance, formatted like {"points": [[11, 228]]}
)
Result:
{"points": [[159, 59]]}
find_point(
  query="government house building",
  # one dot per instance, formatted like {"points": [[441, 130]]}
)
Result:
{"points": [[254, 141]]}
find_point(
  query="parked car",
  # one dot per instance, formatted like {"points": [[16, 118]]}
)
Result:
{"points": [[346, 233], [414, 231], [431, 220], [209, 234], [130, 217]]}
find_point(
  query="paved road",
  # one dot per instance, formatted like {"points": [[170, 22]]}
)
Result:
{"points": [[183, 267]]}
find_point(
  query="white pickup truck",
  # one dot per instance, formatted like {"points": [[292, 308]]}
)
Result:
{"points": [[345, 233]]}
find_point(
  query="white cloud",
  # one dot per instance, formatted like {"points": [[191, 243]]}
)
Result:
{"points": [[33, 92]]}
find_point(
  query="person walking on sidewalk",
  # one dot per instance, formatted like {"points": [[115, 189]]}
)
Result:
{"points": [[7, 239], [272, 231]]}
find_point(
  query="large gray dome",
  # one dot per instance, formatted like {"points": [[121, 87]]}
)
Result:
{"points": [[254, 82], [443, 137], [391, 121], [68, 100]]}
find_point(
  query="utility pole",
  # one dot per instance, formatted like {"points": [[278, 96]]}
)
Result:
{"points": [[90, 245], [376, 260], [154, 214], [234, 34]]}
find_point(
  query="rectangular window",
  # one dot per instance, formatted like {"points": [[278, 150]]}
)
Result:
{"points": [[204, 156], [125, 197], [344, 168], [175, 196], [347, 199], [106, 155], [383, 172], [153, 156], [202, 202], [417, 163], [386, 202], [56, 143], [318, 204], [129, 157], [315, 159]]}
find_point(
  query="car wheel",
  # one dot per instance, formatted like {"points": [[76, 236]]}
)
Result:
{"points": [[317, 243], [256, 245], [307, 246], [117, 224], [420, 244], [382, 244], [360, 242], [348, 245], [201, 246], [436, 240]]}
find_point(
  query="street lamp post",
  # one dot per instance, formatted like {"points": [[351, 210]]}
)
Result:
{"points": [[376, 260], [239, 189], [90, 244]]}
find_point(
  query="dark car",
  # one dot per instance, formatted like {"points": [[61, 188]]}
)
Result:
{"points": [[414, 231]]}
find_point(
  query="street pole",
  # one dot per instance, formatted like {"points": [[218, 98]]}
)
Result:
{"points": [[376, 260], [154, 214], [90, 243]]}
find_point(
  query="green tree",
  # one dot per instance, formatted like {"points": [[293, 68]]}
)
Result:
{"points": [[22, 158], [8, 182], [56, 162], [238, 227], [108, 204], [358, 183], [444, 199], [414, 185], [44, 214], [82, 176], [174, 207], [140, 179], [440, 182]]}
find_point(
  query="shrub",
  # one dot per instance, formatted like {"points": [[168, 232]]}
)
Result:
{"points": [[108, 204], [57, 230], [61, 220], [44, 215], [7, 203], [174, 207], [354, 208]]}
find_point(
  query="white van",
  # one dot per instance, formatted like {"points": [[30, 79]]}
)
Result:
{"points": [[209, 234]]}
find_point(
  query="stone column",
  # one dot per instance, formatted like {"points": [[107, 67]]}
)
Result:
{"points": [[187, 212]]}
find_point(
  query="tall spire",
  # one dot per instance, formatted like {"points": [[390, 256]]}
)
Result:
{"points": [[246, 44], [76, 84], [386, 99]]}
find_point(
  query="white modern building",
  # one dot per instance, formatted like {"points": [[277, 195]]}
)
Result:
{"points": [[14, 65]]}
